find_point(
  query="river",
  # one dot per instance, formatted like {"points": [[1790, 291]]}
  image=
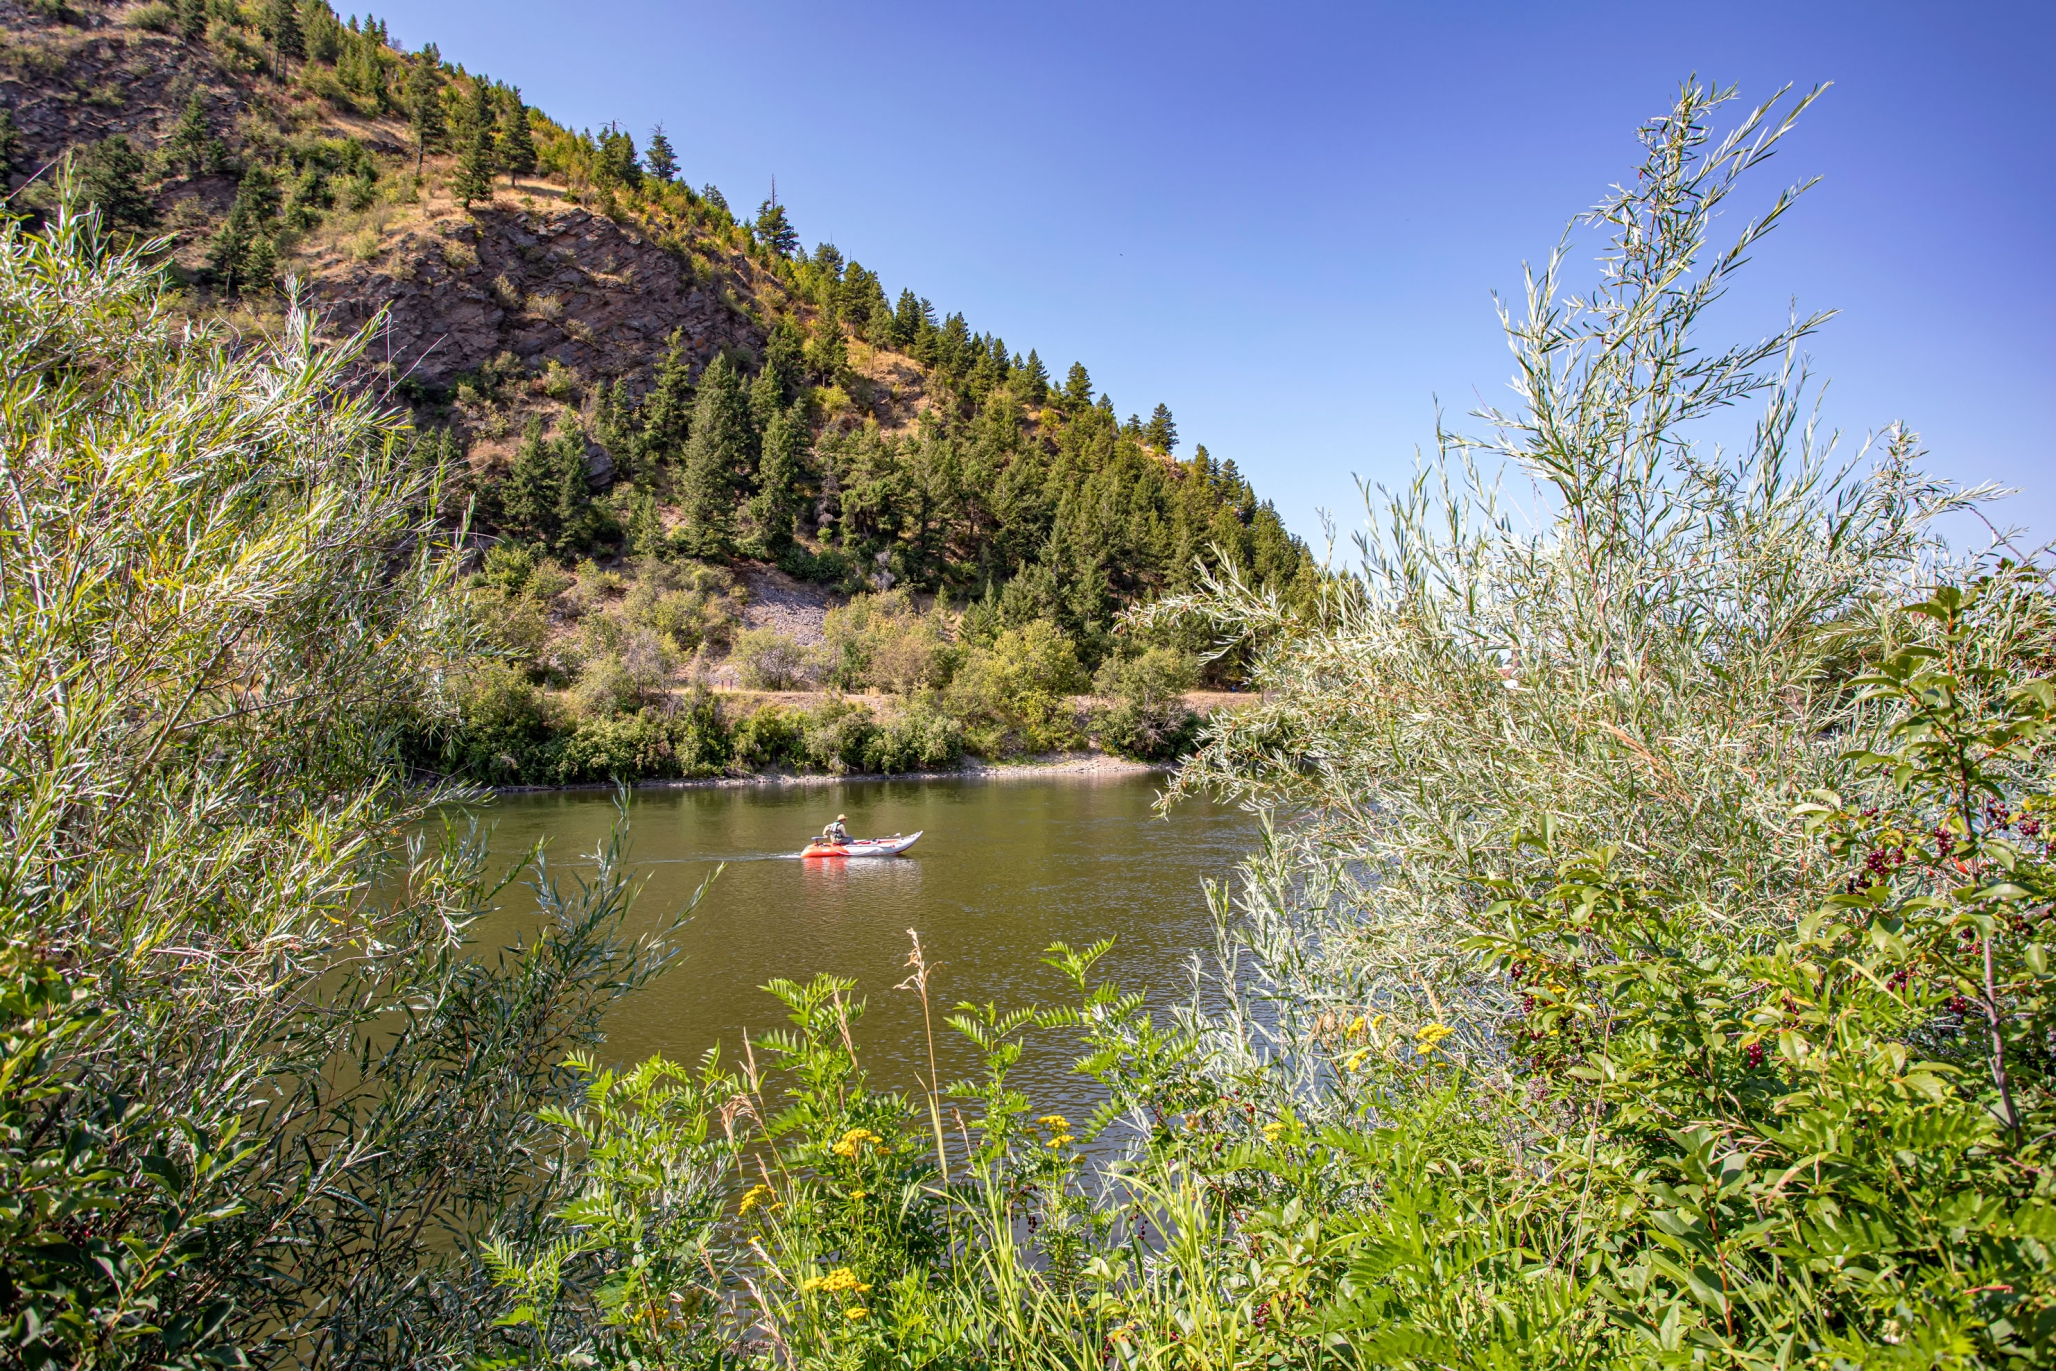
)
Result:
{"points": [[1005, 866]]}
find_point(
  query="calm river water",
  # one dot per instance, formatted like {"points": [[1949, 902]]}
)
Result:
{"points": [[1006, 867]]}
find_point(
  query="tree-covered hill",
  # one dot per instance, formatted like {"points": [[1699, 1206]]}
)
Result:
{"points": [[626, 366]]}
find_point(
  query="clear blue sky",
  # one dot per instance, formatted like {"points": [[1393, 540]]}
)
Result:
{"points": [[1285, 221]]}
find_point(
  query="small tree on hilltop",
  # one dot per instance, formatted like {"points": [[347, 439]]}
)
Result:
{"points": [[661, 161], [618, 163], [1160, 432], [1077, 388], [1032, 380], [479, 158], [774, 230], [474, 178]]}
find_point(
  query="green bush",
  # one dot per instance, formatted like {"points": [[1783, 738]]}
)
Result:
{"points": [[771, 736], [212, 833], [504, 730], [1148, 718], [882, 641], [636, 677], [686, 742], [836, 735], [921, 737], [1013, 696], [768, 660]]}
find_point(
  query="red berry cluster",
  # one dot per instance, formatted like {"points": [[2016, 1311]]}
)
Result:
{"points": [[1753, 1055]]}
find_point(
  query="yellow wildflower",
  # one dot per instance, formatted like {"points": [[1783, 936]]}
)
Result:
{"points": [[840, 1281], [1358, 1027], [1355, 1059], [1272, 1130], [854, 1142], [1428, 1036], [856, 1195], [856, 1311], [1054, 1122], [1060, 1140], [754, 1196]]}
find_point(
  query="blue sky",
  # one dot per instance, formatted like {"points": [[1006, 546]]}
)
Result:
{"points": [[1286, 221]]}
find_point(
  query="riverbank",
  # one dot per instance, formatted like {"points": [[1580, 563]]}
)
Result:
{"points": [[1094, 764]]}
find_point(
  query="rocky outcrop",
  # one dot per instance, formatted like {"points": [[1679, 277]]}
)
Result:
{"points": [[549, 284]]}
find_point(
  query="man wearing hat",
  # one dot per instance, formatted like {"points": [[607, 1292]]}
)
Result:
{"points": [[835, 833]]}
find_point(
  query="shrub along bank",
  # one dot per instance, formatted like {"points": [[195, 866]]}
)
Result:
{"points": [[593, 680]]}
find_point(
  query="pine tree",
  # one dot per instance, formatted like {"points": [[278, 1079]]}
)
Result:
{"points": [[110, 178], [776, 506], [192, 150], [482, 109], [666, 413], [645, 526], [572, 509], [615, 425], [322, 31], [661, 161], [778, 380], [528, 494], [479, 158], [279, 22], [10, 147], [243, 258], [517, 140], [546, 496], [1077, 388], [231, 248], [259, 190], [425, 104], [716, 457], [618, 164], [828, 354], [711, 193], [911, 319], [1161, 433], [774, 230], [260, 265], [1033, 380]]}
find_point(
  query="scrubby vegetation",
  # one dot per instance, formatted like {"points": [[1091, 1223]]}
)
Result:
{"points": [[1647, 963], [603, 676]]}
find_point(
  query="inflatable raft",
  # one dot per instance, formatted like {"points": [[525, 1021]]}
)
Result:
{"points": [[862, 847]]}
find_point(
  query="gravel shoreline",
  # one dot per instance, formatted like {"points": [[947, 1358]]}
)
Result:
{"points": [[1082, 764]]}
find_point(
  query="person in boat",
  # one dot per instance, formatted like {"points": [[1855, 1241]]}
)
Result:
{"points": [[835, 834]]}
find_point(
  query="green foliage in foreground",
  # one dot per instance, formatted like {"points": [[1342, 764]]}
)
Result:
{"points": [[261, 1094]]}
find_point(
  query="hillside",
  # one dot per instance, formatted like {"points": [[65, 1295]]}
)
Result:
{"points": [[572, 289]]}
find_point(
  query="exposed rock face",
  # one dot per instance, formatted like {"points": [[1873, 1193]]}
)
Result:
{"points": [[558, 284], [67, 84]]}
